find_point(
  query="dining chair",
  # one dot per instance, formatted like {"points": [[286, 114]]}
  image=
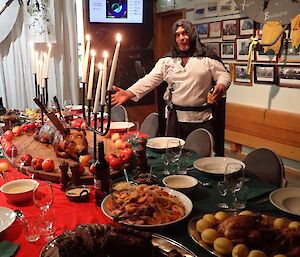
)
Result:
{"points": [[201, 142], [266, 165], [150, 125], [119, 113]]}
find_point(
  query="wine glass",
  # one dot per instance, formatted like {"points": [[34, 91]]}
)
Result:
{"points": [[133, 134], [43, 198], [234, 178], [222, 188], [174, 150], [166, 161]]}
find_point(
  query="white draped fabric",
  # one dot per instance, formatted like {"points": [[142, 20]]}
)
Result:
{"points": [[16, 77]]}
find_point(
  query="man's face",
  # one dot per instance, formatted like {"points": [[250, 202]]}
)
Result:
{"points": [[182, 39]]}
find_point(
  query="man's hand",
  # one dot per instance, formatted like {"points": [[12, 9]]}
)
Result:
{"points": [[121, 96], [219, 91]]}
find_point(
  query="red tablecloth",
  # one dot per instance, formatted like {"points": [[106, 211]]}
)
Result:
{"points": [[67, 216]]}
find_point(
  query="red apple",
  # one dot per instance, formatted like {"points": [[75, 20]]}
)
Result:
{"points": [[17, 130], [125, 145], [115, 163], [31, 126], [84, 159], [8, 135], [36, 163], [92, 168], [126, 155], [108, 157], [26, 159], [48, 165], [11, 151], [24, 127]]}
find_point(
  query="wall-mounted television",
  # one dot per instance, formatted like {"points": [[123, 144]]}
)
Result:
{"points": [[116, 11]]}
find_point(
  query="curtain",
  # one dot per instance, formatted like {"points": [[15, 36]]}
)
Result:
{"points": [[16, 76]]}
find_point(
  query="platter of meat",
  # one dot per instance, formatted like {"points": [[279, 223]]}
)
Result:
{"points": [[147, 206], [245, 234], [95, 240]]}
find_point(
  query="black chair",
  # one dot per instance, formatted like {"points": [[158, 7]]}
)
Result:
{"points": [[150, 125], [266, 165], [119, 113]]}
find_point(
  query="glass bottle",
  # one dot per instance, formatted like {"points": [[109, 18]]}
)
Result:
{"points": [[2, 108], [101, 175]]}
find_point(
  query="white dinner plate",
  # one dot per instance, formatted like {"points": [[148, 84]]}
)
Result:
{"points": [[287, 199], [188, 205], [74, 107], [7, 217], [160, 143], [120, 125], [215, 165]]}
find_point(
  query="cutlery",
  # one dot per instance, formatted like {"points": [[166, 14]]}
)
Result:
{"points": [[205, 184]]}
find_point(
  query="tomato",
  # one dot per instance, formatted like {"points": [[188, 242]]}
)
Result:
{"points": [[36, 163], [17, 130], [8, 135], [11, 151], [126, 154], [84, 159], [108, 157], [26, 159], [48, 165], [115, 163]]}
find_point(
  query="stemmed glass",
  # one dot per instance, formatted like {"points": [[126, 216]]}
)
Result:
{"points": [[166, 161], [173, 151], [234, 178], [222, 188], [43, 198], [133, 134]]}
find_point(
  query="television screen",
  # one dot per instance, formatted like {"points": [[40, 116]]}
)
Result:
{"points": [[116, 11]]}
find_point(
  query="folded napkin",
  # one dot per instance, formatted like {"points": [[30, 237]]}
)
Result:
{"points": [[8, 249]]}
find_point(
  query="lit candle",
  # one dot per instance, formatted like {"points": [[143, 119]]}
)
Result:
{"points": [[104, 78], [37, 66], [32, 55], [46, 66], [41, 69], [114, 63], [97, 97], [91, 76], [86, 58]]}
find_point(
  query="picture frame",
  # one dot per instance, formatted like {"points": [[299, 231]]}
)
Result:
{"points": [[265, 74], [289, 76], [242, 49], [246, 27], [228, 50], [215, 29], [229, 29], [261, 56], [288, 53], [240, 75], [212, 8], [215, 46], [226, 7], [202, 30], [200, 11], [258, 28]]}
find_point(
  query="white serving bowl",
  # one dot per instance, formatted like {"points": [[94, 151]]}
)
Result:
{"points": [[20, 190], [182, 183]]}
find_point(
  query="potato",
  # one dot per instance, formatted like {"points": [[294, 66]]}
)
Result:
{"points": [[223, 245], [210, 218], [257, 253], [279, 223], [209, 235], [247, 213], [202, 225], [240, 250], [294, 224], [221, 216]]}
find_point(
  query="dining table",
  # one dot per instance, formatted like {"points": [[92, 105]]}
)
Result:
{"points": [[70, 214]]}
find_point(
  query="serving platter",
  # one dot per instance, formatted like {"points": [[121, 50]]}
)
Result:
{"points": [[160, 143], [215, 165], [7, 217], [164, 243], [287, 199], [187, 203]]}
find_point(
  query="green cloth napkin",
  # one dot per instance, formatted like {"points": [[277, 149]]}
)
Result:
{"points": [[8, 249]]}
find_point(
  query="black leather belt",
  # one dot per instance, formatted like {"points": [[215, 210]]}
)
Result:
{"points": [[192, 108]]}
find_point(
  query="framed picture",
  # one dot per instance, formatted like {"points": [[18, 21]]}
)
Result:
{"points": [[261, 56], [289, 53], [226, 7], [258, 27], [289, 76], [246, 27], [265, 74], [228, 50], [229, 30], [215, 46], [240, 75], [215, 29], [242, 49], [212, 9], [200, 11], [202, 30]]}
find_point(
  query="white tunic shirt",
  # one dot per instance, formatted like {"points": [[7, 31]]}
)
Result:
{"points": [[191, 83]]}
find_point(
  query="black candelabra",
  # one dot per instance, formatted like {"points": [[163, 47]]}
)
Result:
{"points": [[41, 93]]}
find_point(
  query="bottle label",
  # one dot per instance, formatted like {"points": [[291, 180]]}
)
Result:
{"points": [[97, 184]]}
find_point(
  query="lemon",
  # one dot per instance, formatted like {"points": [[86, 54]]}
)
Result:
{"points": [[210, 218], [294, 224], [209, 235], [257, 253], [202, 225], [223, 245], [240, 250], [246, 213], [221, 216], [279, 223]]}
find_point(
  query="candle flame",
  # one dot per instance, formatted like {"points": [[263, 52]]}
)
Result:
{"points": [[105, 54], [88, 37], [100, 66], [49, 45], [118, 37], [93, 52]]}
